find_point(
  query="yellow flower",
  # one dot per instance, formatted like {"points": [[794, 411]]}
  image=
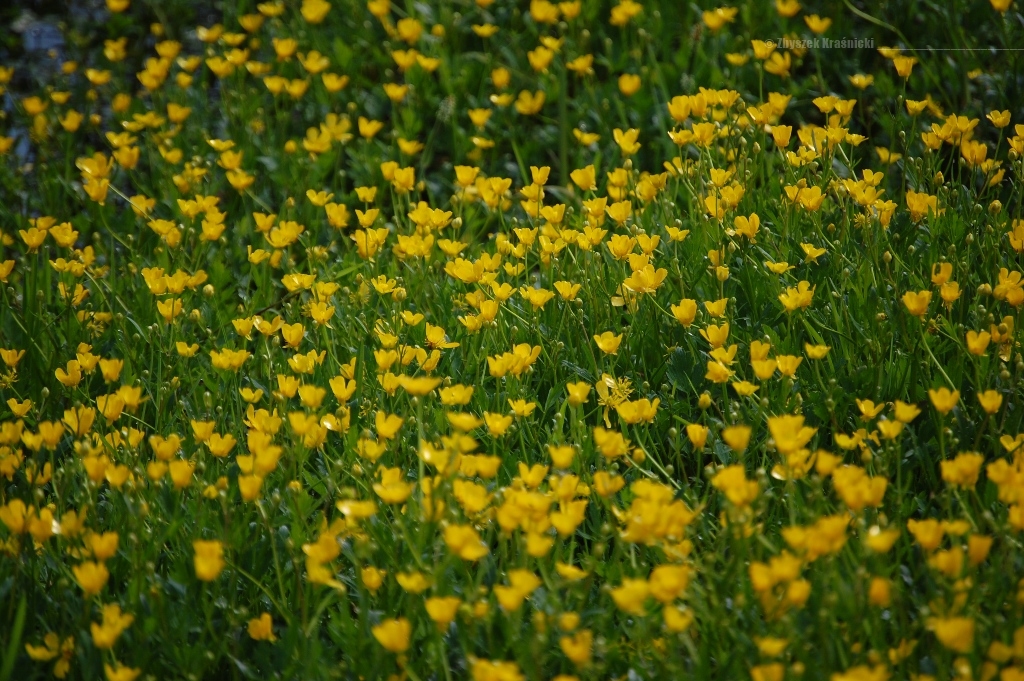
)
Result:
{"points": [[716, 18], [249, 486], [391, 489], [181, 473], [608, 342], [921, 204], [413, 582], [103, 546], [879, 592], [120, 672], [905, 413], [977, 342], [779, 64], [79, 421], [643, 410], [442, 610], [314, 11], [578, 393], [817, 24], [762, 49], [421, 385], [521, 584], [606, 484], [718, 372], [781, 134], [487, 670], [668, 582], [685, 311], [890, 430], [677, 619], [808, 198], [788, 364], [585, 178], [530, 103], [262, 628], [868, 409], [816, 351], [387, 424], [484, 30], [716, 335], [928, 533], [105, 634], [227, 359], [627, 140], [54, 647], [629, 84], [787, 8], [631, 595], [990, 401], [737, 437], [578, 647], [800, 296], [537, 297], [14, 515], [409, 30], [963, 470], [645, 280], [747, 226], [857, 489], [111, 369], [522, 407], [790, 433], [904, 65], [19, 409], [91, 576], [71, 375], [393, 634], [368, 128], [464, 541], [770, 646], [917, 303], [978, 547], [880, 541], [208, 559], [372, 578], [943, 399], [733, 482], [697, 434], [567, 290], [497, 424], [811, 252], [954, 633]]}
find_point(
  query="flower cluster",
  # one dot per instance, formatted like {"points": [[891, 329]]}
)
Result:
{"points": [[520, 336]]}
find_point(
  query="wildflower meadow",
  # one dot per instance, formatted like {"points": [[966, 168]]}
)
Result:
{"points": [[511, 339]]}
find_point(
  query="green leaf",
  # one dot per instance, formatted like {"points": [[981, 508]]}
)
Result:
{"points": [[15, 642]]}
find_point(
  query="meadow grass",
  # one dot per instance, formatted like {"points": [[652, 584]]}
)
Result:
{"points": [[512, 340]]}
